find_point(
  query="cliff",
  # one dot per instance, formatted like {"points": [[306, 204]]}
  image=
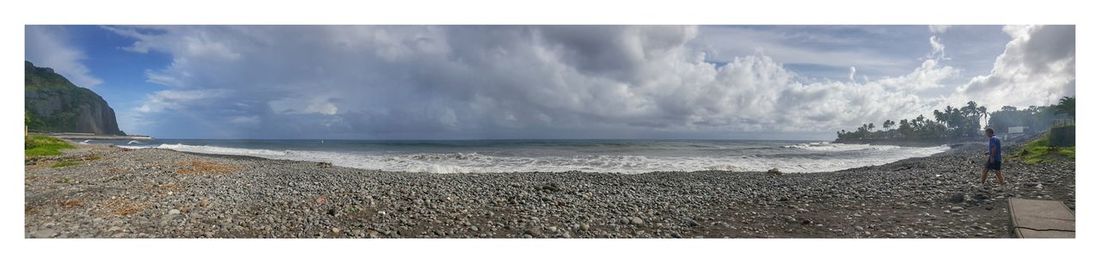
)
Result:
{"points": [[54, 104]]}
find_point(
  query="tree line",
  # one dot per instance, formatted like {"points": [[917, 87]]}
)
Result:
{"points": [[961, 123]]}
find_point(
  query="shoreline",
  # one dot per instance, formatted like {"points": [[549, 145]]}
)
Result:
{"points": [[458, 169], [164, 193]]}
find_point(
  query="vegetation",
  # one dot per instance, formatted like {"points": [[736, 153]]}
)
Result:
{"points": [[41, 145], [1039, 150], [1066, 105], [54, 104], [960, 123]]}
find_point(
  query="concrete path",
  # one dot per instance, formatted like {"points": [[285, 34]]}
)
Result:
{"points": [[1041, 218]]}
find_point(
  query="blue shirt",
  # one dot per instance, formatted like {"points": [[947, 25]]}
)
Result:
{"points": [[995, 145]]}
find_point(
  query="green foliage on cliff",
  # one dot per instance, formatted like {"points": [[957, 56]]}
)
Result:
{"points": [[53, 104]]}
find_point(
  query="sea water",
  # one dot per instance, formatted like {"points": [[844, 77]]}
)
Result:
{"points": [[622, 156]]}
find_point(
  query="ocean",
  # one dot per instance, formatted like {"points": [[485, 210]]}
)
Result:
{"points": [[620, 156]]}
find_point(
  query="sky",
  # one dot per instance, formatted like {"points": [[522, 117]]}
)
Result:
{"points": [[549, 82]]}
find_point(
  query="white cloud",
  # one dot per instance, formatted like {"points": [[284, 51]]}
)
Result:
{"points": [[726, 42], [938, 29], [1036, 68], [48, 46], [176, 100], [429, 81], [937, 48]]}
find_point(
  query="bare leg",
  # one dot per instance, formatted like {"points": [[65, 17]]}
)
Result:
{"points": [[1000, 178], [985, 172]]}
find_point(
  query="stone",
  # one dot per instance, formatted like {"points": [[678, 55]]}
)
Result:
{"points": [[957, 198], [533, 231], [44, 233], [774, 171], [956, 209], [790, 219], [636, 221], [585, 227], [174, 212]]}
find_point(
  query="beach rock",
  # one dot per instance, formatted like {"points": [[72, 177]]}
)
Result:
{"points": [[790, 219], [957, 198], [278, 198], [534, 231], [551, 187], [43, 233], [774, 171]]}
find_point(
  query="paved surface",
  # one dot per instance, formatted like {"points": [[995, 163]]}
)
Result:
{"points": [[1041, 218]]}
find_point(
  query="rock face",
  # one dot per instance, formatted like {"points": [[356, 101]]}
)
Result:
{"points": [[56, 105]]}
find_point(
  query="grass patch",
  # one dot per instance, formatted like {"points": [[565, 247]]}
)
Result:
{"points": [[1039, 150], [41, 145], [64, 163]]}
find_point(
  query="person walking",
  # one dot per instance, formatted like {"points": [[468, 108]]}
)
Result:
{"points": [[993, 162]]}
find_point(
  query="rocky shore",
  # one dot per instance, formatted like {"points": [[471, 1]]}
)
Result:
{"points": [[102, 191]]}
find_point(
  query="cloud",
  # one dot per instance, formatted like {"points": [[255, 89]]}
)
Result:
{"points": [[49, 46], [938, 29], [937, 48], [403, 82], [852, 74], [796, 46], [1037, 67]]}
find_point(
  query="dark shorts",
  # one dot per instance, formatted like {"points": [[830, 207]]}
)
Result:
{"points": [[994, 165]]}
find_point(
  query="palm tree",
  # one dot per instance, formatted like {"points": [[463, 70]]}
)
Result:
{"points": [[971, 108], [983, 115], [1065, 105]]}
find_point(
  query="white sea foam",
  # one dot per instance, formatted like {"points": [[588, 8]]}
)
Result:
{"points": [[830, 157], [839, 147]]}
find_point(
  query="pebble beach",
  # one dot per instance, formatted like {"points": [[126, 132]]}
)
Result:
{"points": [[109, 192]]}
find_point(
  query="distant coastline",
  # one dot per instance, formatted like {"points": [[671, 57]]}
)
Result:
{"points": [[913, 143]]}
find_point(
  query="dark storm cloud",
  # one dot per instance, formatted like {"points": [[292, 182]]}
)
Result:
{"points": [[503, 82]]}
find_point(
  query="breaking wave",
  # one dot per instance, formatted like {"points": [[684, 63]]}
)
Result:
{"points": [[806, 157]]}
